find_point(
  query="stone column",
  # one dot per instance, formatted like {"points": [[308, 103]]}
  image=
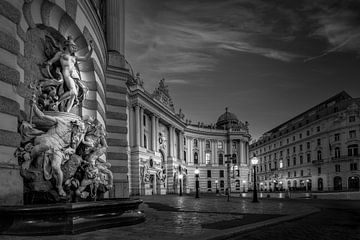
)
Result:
{"points": [[181, 146], [115, 26], [141, 127], [242, 152], [153, 133], [137, 125], [157, 134]]}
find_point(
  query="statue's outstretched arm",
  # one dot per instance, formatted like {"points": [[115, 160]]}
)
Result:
{"points": [[54, 59]]}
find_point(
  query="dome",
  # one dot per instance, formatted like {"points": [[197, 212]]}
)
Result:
{"points": [[226, 118]]}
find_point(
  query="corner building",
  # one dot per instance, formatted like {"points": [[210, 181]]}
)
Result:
{"points": [[166, 149], [317, 150]]}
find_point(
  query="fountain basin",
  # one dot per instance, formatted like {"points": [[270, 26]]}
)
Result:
{"points": [[69, 218]]}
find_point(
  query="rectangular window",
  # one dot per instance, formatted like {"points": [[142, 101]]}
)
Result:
{"points": [[294, 149], [281, 153], [144, 120], [294, 161], [209, 173], [207, 158], [184, 156], [300, 147], [301, 159], [300, 135], [353, 167], [288, 162], [288, 151], [308, 133], [318, 141], [220, 144], [209, 184], [302, 172], [337, 167], [308, 145], [288, 174], [293, 138], [308, 157], [352, 119], [352, 134], [294, 173], [319, 170], [337, 136], [318, 128], [221, 173], [287, 141]]}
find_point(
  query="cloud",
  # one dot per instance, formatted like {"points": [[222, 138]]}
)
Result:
{"points": [[338, 24], [177, 81], [266, 52]]}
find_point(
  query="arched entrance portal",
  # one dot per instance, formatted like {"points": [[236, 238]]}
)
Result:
{"points": [[353, 183], [337, 183]]}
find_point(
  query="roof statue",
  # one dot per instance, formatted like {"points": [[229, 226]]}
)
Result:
{"points": [[161, 94]]}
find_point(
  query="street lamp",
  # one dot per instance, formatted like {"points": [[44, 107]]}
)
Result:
{"points": [[228, 161], [197, 182], [216, 182], [180, 178], [254, 162]]}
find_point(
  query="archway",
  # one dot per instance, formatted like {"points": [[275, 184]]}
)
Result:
{"points": [[353, 183], [337, 183], [320, 184], [308, 184]]}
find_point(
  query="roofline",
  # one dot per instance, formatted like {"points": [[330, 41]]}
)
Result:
{"points": [[342, 93]]}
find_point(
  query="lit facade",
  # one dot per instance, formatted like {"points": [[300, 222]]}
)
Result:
{"points": [[317, 150], [163, 146]]}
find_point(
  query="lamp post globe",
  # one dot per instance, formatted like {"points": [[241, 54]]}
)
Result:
{"points": [[254, 162]]}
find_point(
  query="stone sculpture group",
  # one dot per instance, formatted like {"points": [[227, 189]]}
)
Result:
{"points": [[62, 156]]}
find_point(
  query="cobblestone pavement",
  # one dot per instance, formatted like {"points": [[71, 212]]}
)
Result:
{"points": [[337, 220], [174, 217]]}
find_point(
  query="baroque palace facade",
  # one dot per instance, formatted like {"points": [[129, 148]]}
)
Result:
{"points": [[317, 150], [149, 145], [166, 149]]}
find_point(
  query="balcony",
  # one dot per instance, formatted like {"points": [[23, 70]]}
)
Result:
{"points": [[319, 161], [344, 158]]}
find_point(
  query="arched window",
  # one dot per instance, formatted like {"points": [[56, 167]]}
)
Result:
{"points": [[319, 157], [320, 184], [289, 184], [353, 150], [353, 183], [196, 158], [208, 144], [195, 143], [221, 159], [337, 152], [337, 183]]}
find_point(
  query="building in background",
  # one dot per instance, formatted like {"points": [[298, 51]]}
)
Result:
{"points": [[166, 148], [317, 150]]}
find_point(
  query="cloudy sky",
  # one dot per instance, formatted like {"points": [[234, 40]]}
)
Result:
{"points": [[266, 60]]}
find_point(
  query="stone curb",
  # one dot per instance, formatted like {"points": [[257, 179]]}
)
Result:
{"points": [[250, 227]]}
